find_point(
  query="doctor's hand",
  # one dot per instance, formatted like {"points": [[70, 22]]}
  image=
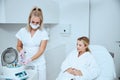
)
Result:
{"points": [[22, 53], [21, 57], [26, 61]]}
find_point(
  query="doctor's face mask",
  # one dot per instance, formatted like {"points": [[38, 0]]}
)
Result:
{"points": [[34, 26], [35, 22]]}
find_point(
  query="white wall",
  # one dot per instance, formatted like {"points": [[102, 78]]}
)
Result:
{"points": [[7, 36], [75, 13], [105, 26]]}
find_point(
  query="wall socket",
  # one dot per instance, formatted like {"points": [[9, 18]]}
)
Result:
{"points": [[65, 29]]}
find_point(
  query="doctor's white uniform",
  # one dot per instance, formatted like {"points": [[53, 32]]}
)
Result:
{"points": [[31, 46], [85, 63]]}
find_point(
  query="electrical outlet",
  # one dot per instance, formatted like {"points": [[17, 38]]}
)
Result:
{"points": [[65, 29]]}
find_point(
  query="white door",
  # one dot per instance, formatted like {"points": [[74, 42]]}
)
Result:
{"points": [[105, 27]]}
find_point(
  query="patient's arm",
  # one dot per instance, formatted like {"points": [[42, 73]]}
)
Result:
{"points": [[74, 71]]}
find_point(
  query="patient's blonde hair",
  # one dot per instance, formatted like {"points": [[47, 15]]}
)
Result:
{"points": [[85, 40]]}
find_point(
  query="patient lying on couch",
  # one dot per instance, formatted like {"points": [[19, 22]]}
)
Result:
{"points": [[80, 64]]}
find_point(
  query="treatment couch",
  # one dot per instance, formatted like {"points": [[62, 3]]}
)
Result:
{"points": [[105, 61]]}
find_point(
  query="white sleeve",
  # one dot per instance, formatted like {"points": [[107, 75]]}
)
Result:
{"points": [[67, 62], [45, 35], [90, 73], [19, 34]]}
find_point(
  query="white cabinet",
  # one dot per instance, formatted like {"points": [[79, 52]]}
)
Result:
{"points": [[2, 11], [17, 11]]}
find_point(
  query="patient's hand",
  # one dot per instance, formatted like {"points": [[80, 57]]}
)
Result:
{"points": [[69, 70], [77, 72], [74, 71]]}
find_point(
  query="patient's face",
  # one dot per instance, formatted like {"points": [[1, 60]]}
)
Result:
{"points": [[81, 46]]}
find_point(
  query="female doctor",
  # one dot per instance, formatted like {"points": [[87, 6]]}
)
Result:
{"points": [[80, 64], [32, 41]]}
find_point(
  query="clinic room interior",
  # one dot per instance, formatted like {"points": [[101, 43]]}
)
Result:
{"points": [[65, 21]]}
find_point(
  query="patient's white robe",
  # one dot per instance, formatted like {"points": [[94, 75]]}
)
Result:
{"points": [[85, 63]]}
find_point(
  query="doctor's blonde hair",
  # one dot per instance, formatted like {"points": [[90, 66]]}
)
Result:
{"points": [[37, 12], [86, 42]]}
